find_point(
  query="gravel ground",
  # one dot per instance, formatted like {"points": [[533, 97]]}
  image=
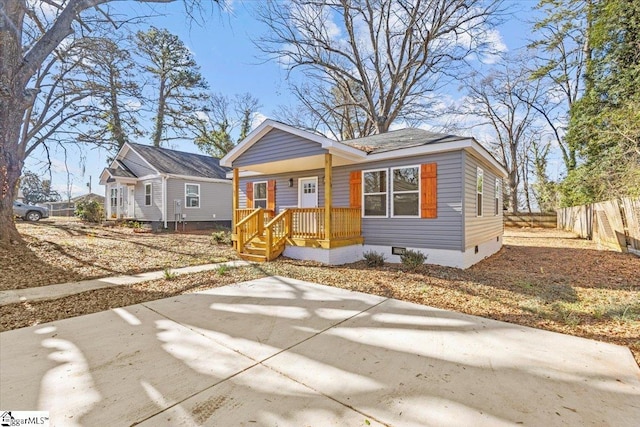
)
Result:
{"points": [[546, 279]]}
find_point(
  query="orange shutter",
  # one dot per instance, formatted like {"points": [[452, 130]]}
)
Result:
{"points": [[271, 195], [249, 195], [355, 189], [429, 190]]}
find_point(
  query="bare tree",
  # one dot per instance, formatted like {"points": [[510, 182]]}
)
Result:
{"points": [[31, 33], [109, 73], [383, 57], [561, 51], [502, 99], [214, 128]]}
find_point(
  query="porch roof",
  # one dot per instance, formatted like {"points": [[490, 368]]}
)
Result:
{"points": [[110, 175]]}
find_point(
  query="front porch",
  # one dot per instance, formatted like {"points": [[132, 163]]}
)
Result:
{"points": [[260, 235]]}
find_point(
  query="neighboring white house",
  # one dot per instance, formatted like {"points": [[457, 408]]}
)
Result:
{"points": [[331, 201], [163, 186]]}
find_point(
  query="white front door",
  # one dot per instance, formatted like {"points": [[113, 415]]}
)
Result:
{"points": [[308, 192], [130, 200]]}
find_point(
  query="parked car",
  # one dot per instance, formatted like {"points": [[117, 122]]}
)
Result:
{"points": [[29, 212]]}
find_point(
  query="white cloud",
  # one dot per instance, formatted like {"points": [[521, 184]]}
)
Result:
{"points": [[258, 118]]}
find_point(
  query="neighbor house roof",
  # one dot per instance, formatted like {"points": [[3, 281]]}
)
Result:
{"points": [[398, 139], [174, 162]]}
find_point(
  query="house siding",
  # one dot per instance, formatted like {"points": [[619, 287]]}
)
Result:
{"points": [[489, 226], [137, 164], [278, 145], [153, 212], [286, 197], [215, 198], [443, 232]]}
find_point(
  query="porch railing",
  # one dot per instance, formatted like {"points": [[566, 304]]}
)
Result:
{"points": [[243, 213], [276, 232], [346, 223], [307, 223], [249, 227], [296, 223]]}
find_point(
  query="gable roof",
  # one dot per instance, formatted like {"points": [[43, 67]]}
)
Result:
{"points": [[175, 162], [399, 139], [394, 144]]}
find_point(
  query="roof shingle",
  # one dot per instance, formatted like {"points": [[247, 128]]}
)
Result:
{"points": [[181, 163], [398, 139]]}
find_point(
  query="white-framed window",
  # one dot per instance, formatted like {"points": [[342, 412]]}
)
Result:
{"points": [[192, 195], [479, 190], [405, 191], [374, 193], [148, 197], [497, 197], [260, 195], [114, 198]]}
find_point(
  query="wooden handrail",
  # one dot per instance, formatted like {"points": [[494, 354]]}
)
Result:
{"points": [[249, 227], [281, 227]]}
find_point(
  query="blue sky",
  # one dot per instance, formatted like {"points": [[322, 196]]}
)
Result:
{"points": [[231, 64]]}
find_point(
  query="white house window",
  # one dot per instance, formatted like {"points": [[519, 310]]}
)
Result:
{"points": [[374, 192], [192, 195], [114, 199], [405, 189], [260, 195], [479, 188], [497, 197], [147, 194]]}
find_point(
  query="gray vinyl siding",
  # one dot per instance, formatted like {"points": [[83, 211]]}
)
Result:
{"points": [[153, 212], [215, 198], [278, 145], [286, 197], [443, 232], [137, 165], [489, 226]]}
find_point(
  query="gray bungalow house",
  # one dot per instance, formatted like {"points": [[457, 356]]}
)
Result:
{"points": [[163, 186], [309, 197]]}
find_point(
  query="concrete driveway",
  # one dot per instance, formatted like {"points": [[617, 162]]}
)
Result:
{"points": [[280, 352]]}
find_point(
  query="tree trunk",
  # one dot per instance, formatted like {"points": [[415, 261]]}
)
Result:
{"points": [[10, 167], [162, 98], [513, 188]]}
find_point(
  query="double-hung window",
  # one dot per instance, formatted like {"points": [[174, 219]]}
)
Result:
{"points": [[192, 195], [479, 190], [260, 195], [147, 194], [375, 193], [405, 190]]}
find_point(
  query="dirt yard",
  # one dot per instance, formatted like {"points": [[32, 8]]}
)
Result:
{"points": [[65, 249], [542, 278]]}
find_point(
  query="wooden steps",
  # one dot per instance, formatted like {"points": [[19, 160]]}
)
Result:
{"points": [[256, 249]]}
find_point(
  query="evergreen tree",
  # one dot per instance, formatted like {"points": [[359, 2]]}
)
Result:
{"points": [[605, 123], [176, 81]]}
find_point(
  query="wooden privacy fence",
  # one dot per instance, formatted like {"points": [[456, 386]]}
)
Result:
{"points": [[614, 223], [544, 220]]}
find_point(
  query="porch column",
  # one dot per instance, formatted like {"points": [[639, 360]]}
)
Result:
{"points": [[234, 202], [327, 196]]}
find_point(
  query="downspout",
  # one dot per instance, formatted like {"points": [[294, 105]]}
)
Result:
{"points": [[164, 200]]}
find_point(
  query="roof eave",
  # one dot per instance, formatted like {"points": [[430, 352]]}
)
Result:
{"points": [[262, 130]]}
